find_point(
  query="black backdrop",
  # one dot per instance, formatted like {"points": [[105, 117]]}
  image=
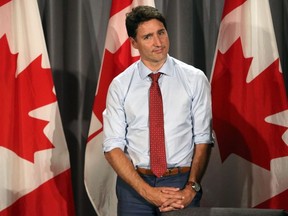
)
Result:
{"points": [[75, 32]]}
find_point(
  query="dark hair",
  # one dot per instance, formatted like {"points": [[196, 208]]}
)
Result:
{"points": [[139, 15]]}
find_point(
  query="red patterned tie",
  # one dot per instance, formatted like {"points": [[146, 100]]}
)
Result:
{"points": [[157, 144]]}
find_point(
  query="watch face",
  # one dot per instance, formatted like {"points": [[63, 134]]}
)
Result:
{"points": [[196, 186]]}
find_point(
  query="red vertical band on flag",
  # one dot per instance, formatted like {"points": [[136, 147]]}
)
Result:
{"points": [[35, 168], [250, 110], [230, 5], [119, 6]]}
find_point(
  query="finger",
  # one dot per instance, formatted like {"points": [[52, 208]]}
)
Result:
{"points": [[176, 193], [166, 209], [168, 202], [171, 189], [175, 203], [169, 192], [173, 194], [172, 207]]}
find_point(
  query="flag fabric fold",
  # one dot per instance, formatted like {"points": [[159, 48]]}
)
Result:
{"points": [[100, 179], [250, 112], [35, 176]]}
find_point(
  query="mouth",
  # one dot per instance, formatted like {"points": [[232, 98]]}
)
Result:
{"points": [[158, 50]]}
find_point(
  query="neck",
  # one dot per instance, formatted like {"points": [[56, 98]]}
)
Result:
{"points": [[154, 66]]}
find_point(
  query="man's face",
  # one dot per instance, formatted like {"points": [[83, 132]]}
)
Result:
{"points": [[152, 41]]}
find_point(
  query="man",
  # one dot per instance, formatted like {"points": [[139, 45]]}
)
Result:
{"points": [[187, 117]]}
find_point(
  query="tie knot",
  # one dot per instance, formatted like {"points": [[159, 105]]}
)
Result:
{"points": [[155, 76]]}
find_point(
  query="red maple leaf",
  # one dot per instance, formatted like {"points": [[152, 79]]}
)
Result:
{"points": [[239, 108], [31, 89]]}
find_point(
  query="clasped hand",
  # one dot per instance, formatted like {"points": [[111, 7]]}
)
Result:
{"points": [[169, 198]]}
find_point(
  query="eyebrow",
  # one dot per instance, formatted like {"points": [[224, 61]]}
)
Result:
{"points": [[149, 34], [146, 35]]}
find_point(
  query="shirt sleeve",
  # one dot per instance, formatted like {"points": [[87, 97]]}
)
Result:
{"points": [[114, 122], [202, 111]]}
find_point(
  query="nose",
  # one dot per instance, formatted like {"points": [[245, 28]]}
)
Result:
{"points": [[157, 41]]}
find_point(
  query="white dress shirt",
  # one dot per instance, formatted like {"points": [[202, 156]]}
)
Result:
{"points": [[187, 112]]}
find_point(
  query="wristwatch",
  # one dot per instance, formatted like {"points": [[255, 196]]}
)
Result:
{"points": [[195, 186]]}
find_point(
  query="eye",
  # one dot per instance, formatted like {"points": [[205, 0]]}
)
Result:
{"points": [[161, 32], [146, 37]]}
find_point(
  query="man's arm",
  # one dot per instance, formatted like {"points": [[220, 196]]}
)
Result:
{"points": [[199, 162], [198, 167], [125, 169]]}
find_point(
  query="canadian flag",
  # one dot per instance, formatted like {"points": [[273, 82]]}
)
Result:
{"points": [[249, 164], [100, 178], [34, 160]]}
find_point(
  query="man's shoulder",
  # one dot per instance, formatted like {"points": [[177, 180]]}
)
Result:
{"points": [[185, 67], [127, 73]]}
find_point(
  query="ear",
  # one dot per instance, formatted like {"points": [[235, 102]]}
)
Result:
{"points": [[133, 43]]}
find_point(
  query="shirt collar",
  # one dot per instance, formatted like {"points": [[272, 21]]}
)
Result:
{"points": [[167, 68]]}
